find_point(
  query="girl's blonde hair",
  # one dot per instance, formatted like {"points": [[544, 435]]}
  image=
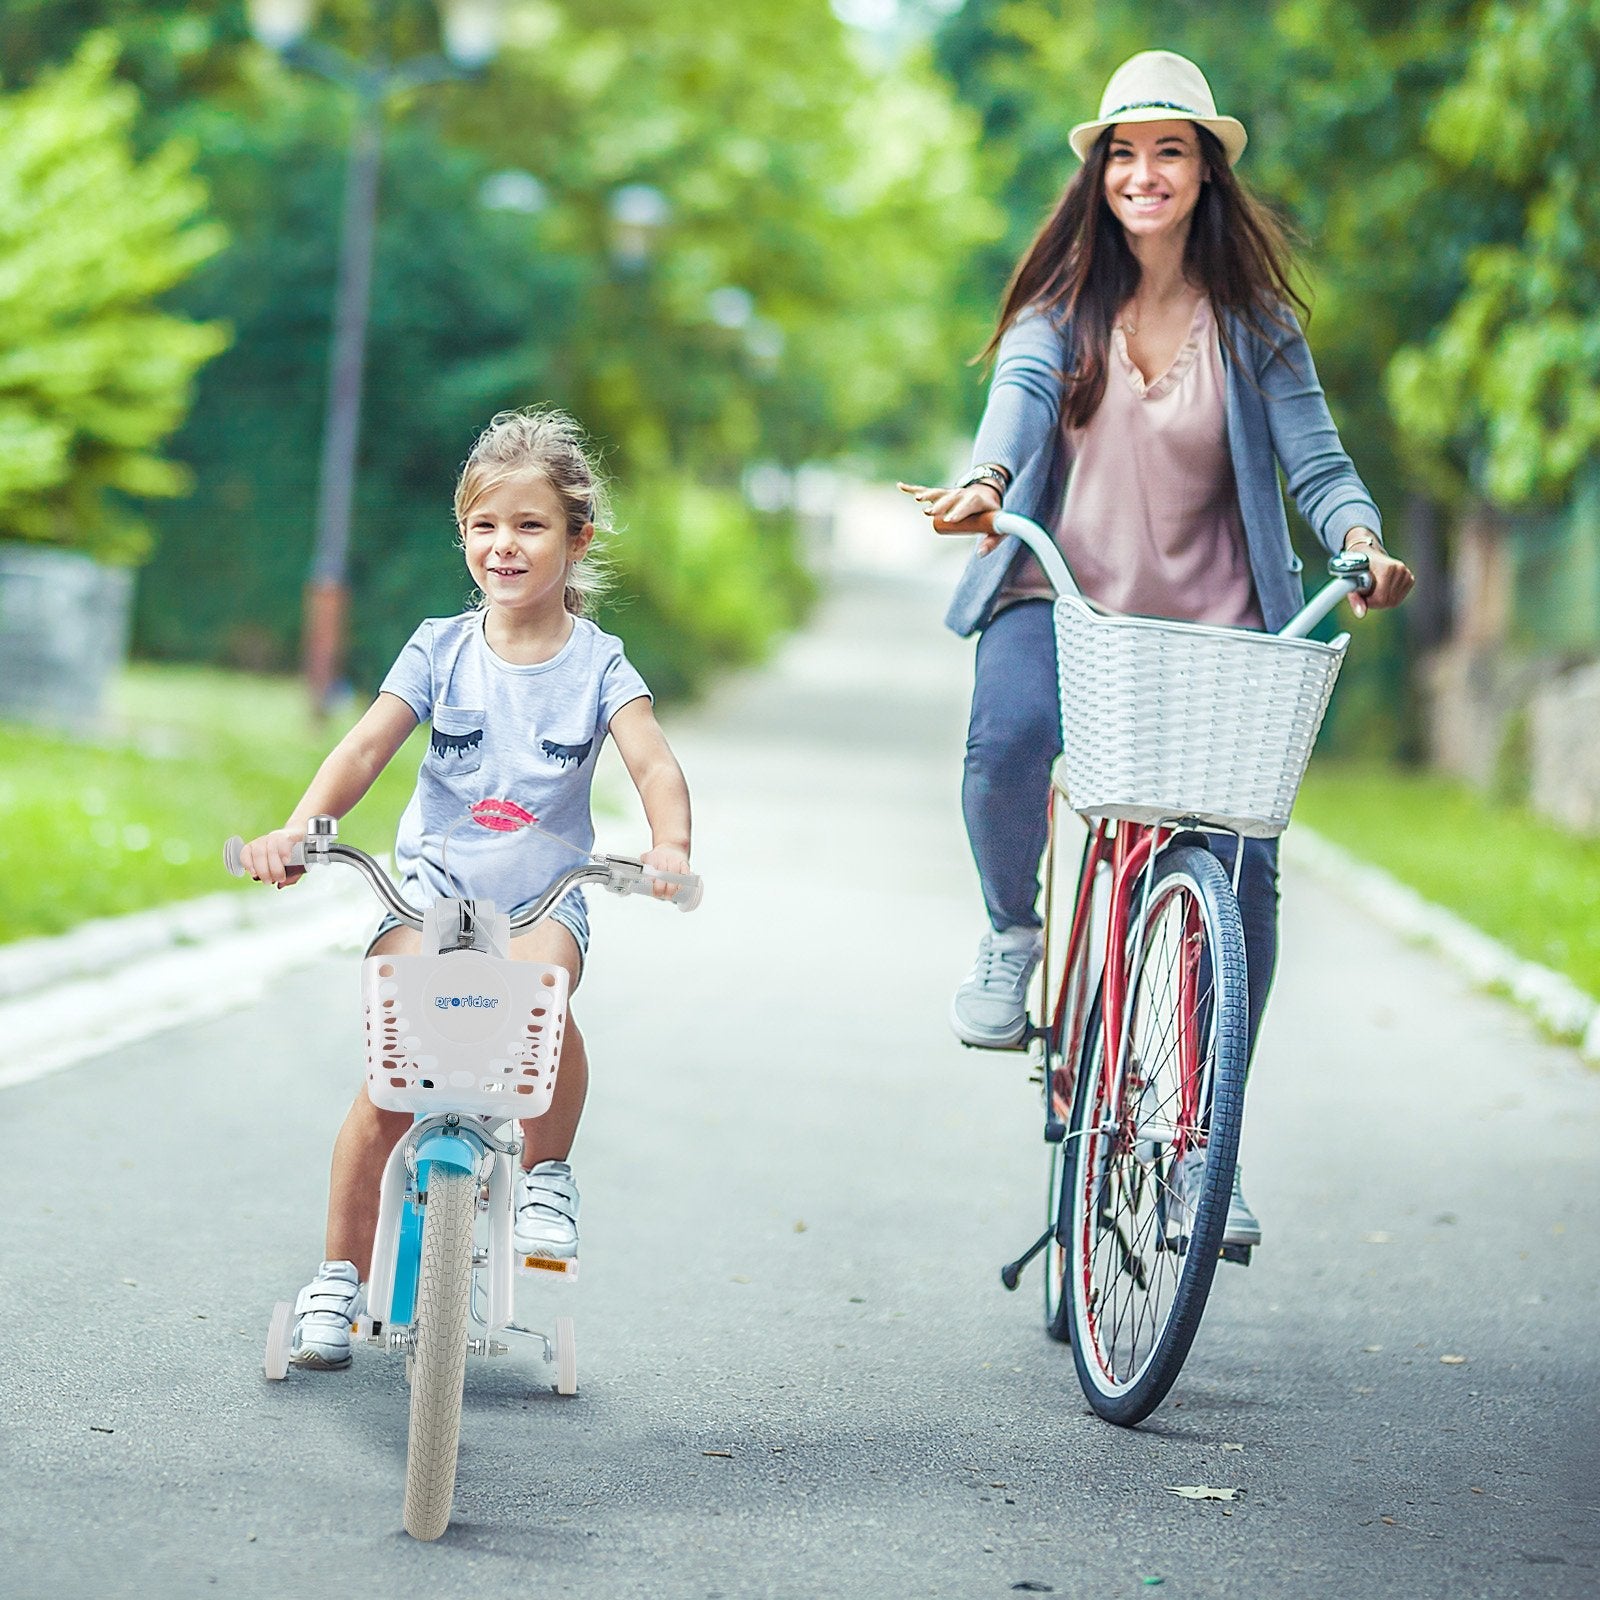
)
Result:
{"points": [[543, 440]]}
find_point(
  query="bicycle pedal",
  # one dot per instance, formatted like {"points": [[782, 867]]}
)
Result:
{"points": [[549, 1266], [1239, 1254]]}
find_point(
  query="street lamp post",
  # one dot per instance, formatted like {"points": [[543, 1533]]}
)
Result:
{"points": [[471, 34]]}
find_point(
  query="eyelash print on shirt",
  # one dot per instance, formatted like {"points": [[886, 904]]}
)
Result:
{"points": [[567, 752], [456, 744]]}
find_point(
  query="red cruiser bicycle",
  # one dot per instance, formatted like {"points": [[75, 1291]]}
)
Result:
{"points": [[1172, 732]]}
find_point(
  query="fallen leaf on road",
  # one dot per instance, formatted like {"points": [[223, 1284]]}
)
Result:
{"points": [[1453, 1361], [799, 1227], [1388, 1522], [1475, 1490], [1377, 1238], [727, 1455], [1233, 1447], [739, 1277], [1372, 1349], [1201, 1491]]}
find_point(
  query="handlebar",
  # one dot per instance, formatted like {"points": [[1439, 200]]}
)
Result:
{"points": [[619, 874], [1348, 573]]}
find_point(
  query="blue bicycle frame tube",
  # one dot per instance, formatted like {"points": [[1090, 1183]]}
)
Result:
{"points": [[459, 1150]]}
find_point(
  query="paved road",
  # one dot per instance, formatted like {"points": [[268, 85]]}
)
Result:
{"points": [[799, 1375]]}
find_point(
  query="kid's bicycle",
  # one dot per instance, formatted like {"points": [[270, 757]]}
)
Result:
{"points": [[1172, 732], [467, 1040]]}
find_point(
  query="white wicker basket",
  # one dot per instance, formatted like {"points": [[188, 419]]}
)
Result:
{"points": [[1177, 719], [463, 1032]]}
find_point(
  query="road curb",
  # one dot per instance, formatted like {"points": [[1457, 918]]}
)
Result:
{"points": [[117, 980], [1558, 1003]]}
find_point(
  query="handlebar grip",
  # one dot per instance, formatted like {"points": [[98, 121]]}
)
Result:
{"points": [[233, 851], [687, 886]]}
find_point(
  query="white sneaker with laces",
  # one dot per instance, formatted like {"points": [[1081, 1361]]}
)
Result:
{"points": [[547, 1212], [324, 1310], [990, 1008]]}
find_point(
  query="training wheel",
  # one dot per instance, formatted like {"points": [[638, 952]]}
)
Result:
{"points": [[566, 1357], [276, 1361]]}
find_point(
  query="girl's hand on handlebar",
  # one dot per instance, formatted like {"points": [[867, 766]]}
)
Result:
{"points": [[665, 858], [967, 510], [269, 858], [1392, 579]]}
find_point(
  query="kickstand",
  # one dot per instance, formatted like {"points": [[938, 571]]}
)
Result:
{"points": [[1012, 1270]]}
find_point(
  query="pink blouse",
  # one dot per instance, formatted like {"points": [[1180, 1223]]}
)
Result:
{"points": [[1151, 522]]}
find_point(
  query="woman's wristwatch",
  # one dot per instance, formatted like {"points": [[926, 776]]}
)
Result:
{"points": [[991, 473]]}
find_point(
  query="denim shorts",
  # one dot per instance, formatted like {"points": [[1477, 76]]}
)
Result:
{"points": [[571, 911]]}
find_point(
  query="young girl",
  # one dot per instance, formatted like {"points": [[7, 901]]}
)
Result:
{"points": [[521, 693]]}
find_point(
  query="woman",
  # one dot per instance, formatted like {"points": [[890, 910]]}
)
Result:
{"points": [[1150, 379]]}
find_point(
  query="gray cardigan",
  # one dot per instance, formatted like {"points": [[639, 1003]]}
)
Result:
{"points": [[1280, 417]]}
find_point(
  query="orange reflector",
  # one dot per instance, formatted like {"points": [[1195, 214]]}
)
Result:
{"points": [[545, 1264]]}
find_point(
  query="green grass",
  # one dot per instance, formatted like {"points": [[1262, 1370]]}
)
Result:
{"points": [[137, 819], [1523, 881]]}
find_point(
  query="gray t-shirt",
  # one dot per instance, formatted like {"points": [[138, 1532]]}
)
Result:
{"points": [[526, 734]]}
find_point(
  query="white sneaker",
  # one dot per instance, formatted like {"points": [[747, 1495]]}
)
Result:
{"points": [[991, 1006], [1183, 1194], [547, 1212], [324, 1310], [1242, 1226]]}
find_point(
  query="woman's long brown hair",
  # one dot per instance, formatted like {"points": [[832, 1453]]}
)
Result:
{"points": [[1079, 266]]}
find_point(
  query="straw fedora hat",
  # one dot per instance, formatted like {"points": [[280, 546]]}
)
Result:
{"points": [[1159, 86]]}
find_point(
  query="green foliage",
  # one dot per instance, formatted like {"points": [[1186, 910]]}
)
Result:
{"points": [[1524, 881], [1507, 388], [469, 312], [98, 830], [697, 561], [795, 303], [93, 374]]}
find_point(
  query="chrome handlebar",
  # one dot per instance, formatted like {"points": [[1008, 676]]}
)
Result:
{"points": [[1348, 573], [619, 874]]}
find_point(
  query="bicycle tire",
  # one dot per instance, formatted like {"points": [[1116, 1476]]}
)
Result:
{"points": [[439, 1350], [1152, 1145]]}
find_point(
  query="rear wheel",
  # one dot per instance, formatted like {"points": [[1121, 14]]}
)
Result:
{"points": [[439, 1350], [1153, 1141]]}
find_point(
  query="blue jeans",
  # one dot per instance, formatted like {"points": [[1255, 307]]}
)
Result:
{"points": [[1013, 740]]}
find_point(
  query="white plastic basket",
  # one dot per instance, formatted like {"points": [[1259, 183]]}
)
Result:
{"points": [[463, 1032], [1178, 719]]}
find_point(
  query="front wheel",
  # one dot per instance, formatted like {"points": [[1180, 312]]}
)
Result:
{"points": [[438, 1358], [1153, 1140]]}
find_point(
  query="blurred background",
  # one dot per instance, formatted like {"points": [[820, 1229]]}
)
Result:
{"points": [[266, 269]]}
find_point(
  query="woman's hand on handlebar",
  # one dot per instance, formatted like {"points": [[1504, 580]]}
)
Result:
{"points": [[963, 510], [1392, 579], [665, 858], [270, 859]]}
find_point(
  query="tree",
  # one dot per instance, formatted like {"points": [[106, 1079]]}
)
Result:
{"points": [[1503, 397], [94, 375]]}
